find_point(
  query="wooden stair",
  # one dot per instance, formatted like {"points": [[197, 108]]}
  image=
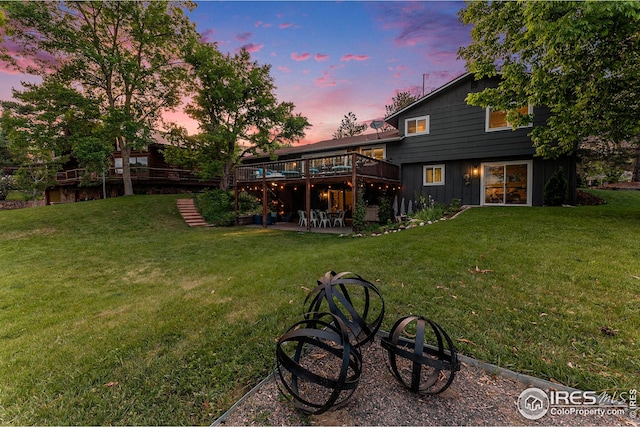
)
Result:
{"points": [[190, 213]]}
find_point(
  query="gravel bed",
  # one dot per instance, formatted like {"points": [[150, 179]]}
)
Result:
{"points": [[476, 397]]}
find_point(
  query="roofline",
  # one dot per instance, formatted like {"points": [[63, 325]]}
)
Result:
{"points": [[353, 144], [429, 95]]}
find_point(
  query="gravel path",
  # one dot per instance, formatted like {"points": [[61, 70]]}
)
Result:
{"points": [[476, 397]]}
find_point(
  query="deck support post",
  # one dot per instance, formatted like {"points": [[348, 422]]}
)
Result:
{"points": [[307, 194], [265, 201]]}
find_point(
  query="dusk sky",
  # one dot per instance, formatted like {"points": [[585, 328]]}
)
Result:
{"points": [[330, 58]]}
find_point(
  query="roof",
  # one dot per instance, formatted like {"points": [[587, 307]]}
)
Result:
{"points": [[329, 144], [393, 118]]}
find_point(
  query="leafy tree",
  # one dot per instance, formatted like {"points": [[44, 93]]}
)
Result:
{"points": [[5, 155], [54, 118], [237, 111], [32, 152], [124, 55], [349, 127], [579, 59], [401, 100]]}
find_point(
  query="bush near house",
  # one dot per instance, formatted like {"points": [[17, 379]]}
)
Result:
{"points": [[556, 190]]}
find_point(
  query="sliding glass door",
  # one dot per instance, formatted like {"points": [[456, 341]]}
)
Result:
{"points": [[506, 183]]}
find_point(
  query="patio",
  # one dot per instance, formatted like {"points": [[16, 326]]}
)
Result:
{"points": [[325, 183]]}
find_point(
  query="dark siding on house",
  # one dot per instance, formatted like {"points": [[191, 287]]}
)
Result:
{"points": [[457, 138], [457, 131]]}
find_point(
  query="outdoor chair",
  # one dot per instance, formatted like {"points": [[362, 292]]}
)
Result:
{"points": [[313, 219], [302, 221], [324, 220], [339, 220]]}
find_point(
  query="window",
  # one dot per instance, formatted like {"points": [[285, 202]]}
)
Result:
{"points": [[417, 126], [135, 162], [117, 163], [506, 183], [497, 119], [433, 175], [374, 152]]}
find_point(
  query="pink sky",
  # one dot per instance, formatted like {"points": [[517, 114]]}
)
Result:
{"points": [[329, 58]]}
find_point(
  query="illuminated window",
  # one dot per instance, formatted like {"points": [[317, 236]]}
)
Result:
{"points": [[497, 119], [374, 152], [433, 175], [417, 126]]}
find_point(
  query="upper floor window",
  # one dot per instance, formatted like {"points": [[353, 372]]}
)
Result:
{"points": [[433, 175], [497, 119], [374, 152], [416, 126]]}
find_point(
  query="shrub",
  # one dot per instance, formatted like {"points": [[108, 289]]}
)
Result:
{"points": [[217, 207], [455, 205], [385, 210], [430, 210], [556, 190], [360, 213], [248, 204]]}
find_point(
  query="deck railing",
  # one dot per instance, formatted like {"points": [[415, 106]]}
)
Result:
{"points": [[137, 173], [319, 167]]}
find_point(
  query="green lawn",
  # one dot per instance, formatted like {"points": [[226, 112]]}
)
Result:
{"points": [[115, 312]]}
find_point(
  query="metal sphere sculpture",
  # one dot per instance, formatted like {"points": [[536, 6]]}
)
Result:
{"points": [[356, 301], [422, 368], [317, 365]]}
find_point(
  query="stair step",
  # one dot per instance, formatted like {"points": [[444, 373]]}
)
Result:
{"points": [[190, 213]]}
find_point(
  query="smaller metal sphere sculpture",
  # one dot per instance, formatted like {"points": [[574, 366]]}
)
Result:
{"points": [[356, 301], [317, 365], [423, 368]]}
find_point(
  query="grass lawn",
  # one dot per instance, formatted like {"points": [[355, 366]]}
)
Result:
{"points": [[115, 312]]}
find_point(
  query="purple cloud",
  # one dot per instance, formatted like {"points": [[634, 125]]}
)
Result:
{"points": [[433, 24], [321, 57], [243, 37], [252, 47], [326, 80], [300, 57], [207, 36], [285, 25], [352, 57]]}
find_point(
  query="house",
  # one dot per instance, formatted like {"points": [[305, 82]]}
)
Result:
{"points": [[323, 176], [150, 174], [449, 149], [442, 147]]}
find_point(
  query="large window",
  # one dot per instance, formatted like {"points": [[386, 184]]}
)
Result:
{"points": [[374, 152], [136, 162], [506, 183], [497, 119], [417, 126], [433, 175]]}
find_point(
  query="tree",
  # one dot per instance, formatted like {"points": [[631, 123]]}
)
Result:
{"points": [[53, 118], [349, 127], [401, 100], [237, 113], [579, 59], [126, 56]]}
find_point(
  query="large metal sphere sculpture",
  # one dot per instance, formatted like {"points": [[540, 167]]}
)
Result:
{"points": [[422, 368], [317, 365], [356, 301]]}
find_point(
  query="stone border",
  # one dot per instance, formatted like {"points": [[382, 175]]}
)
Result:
{"points": [[488, 367]]}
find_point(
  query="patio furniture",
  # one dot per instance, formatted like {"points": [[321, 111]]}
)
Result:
{"points": [[324, 219], [302, 221], [313, 218], [339, 220]]}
